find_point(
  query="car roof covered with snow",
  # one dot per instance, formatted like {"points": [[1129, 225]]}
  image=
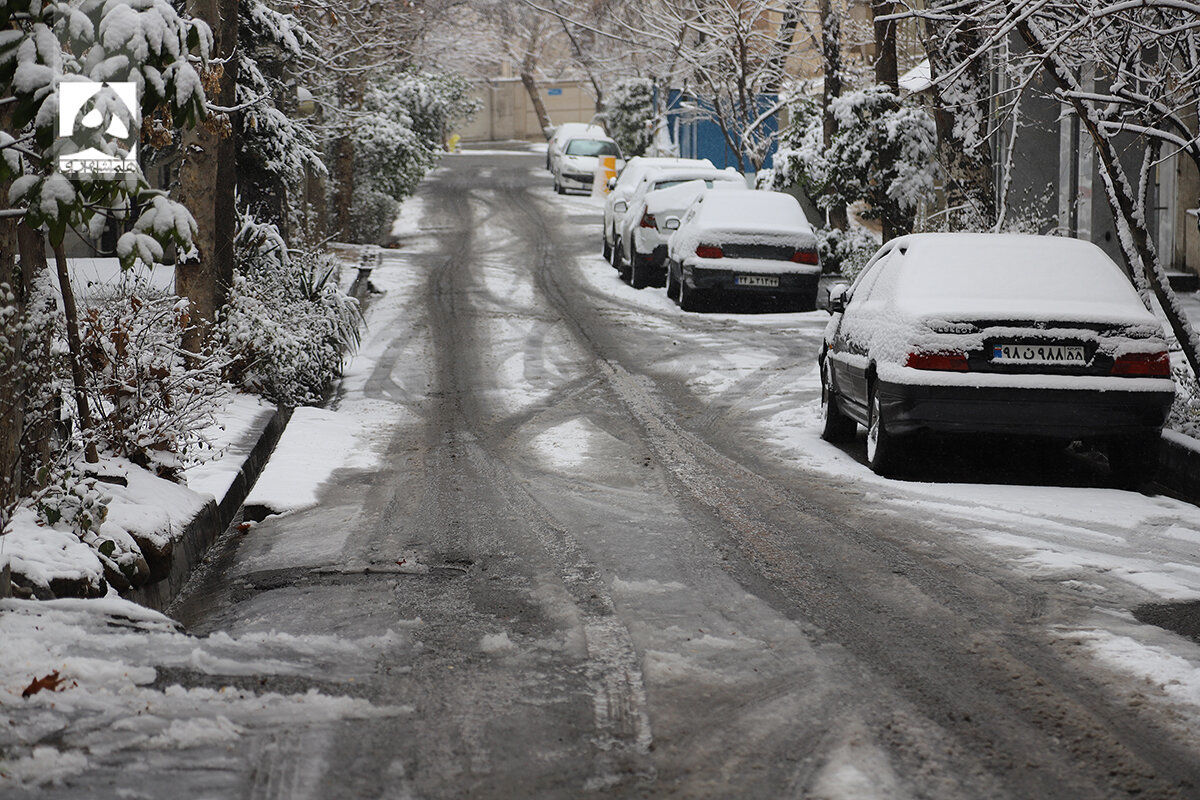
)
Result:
{"points": [[1010, 276], [751, 212], [680, 196], [569, 129]]}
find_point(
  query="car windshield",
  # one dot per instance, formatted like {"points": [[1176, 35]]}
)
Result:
{"points": [[592, 147], [668, 184]]}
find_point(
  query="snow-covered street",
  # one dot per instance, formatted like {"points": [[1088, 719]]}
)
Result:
{"points": [[557, 538]]}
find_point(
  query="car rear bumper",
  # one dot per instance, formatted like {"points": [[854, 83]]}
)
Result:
{"points": [[1056, 413], [725, 281]]}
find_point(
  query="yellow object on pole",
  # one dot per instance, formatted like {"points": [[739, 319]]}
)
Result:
{"points": [[606, 169]]}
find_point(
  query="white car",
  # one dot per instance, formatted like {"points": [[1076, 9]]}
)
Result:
{"points": [[575, 167], [622, 187], [748, 244], [558, 139], [641, 240]]}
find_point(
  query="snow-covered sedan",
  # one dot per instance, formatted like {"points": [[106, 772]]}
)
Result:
{"points": [[567, 130], [990, 333], [575, 169], [640, 242], [623, 187], [747, 244]]}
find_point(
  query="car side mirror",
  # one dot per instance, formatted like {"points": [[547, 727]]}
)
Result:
{"points": [[620, 206], [839, 296], [672, 224], [612, 184]]}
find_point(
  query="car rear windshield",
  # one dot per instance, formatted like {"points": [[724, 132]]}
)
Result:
{"points": [[592, 147], [1037, 274]]}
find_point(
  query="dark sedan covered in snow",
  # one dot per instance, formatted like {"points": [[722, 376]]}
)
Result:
{"points": [[1026, 336]]}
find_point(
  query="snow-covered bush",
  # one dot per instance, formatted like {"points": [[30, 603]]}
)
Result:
{"points": [[277, 149], [1185, 410], [884, 154], [287, 326], [71, 500], [845, 252], [629, 115], [148, 400]]}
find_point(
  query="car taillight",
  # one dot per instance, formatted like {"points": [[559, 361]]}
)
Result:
{"points": [[648, 220], [709, 251], [805, 257], [1143, 365], [944, 360]]}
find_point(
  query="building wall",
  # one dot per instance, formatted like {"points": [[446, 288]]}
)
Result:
{"points": [[508, 113]]}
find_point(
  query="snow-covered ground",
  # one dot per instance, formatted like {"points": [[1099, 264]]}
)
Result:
{"points": [[1117, 548]]}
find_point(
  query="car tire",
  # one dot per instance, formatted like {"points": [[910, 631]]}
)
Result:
{"points": [[837, 426], [1134, 461], [672, 285], [639, 271], [882, 450], [690, 299], [606, 249], [615, 254]]}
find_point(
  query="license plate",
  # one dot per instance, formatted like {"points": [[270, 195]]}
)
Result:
{"points": [[1069, 354], [757, 280]]}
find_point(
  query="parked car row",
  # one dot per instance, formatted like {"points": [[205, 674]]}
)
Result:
{"points": [[704, 235], [1036, 337]]}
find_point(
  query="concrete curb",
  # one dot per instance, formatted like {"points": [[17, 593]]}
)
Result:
{"points": [[1179, 466], [212, 520]]}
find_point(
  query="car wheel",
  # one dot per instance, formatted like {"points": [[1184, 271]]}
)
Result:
{"points": [[639, 271], [672, 285], [689, 299], [615, 254], [881, 445], [837, 426], [606, 248], [1134, 462]]}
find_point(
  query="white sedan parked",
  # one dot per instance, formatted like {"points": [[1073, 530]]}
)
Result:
{"points": [[565, 131], [756, 244], [575, 169], [638, 242], [624, 185], [658, 217]]}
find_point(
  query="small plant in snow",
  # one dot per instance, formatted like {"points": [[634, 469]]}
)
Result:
{"points": [[287, 325], [1185, 410], [71, 500]]}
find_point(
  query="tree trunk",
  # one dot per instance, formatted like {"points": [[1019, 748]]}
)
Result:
{"points": [[962, 122], [40, 396], [208, 181], [831, 56], [782, 46], [535, 95], [1136, 242], [343, 197], [76, 351], [12, 383], [887, 72]]}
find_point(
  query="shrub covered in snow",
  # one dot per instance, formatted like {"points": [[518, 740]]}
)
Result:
{"points": [[287, 326], [148, 398], [397, 139], [629, 115], [884, 154], [1185, 411]]}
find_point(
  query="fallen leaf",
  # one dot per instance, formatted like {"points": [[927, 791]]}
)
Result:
{"points": [[50, 682]]}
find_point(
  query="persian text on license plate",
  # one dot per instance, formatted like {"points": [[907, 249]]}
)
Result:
{"points": [[757, 280], [1038, 354]]}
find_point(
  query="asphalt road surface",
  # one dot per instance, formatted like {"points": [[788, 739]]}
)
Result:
{"points": [[661, 609]]}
